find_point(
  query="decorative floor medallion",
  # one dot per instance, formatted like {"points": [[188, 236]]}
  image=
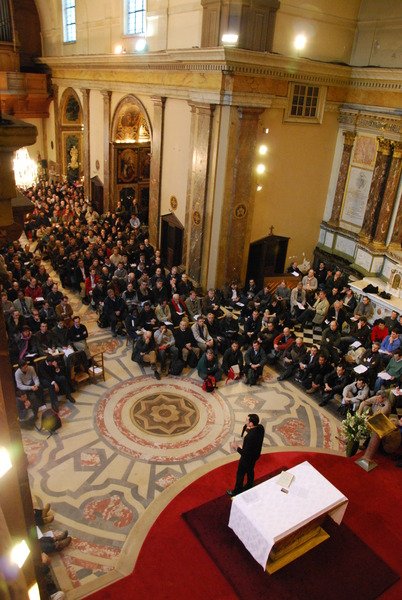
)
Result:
{"points": [[165, 414], [168, 421]]}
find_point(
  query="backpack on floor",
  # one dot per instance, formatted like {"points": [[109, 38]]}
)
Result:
{"points": [[192, 359], [50, 420], [209, 383], [252, 377], [176, 367]]}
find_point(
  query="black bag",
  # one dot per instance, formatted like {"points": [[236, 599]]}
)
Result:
{"points": [[192, 359], [103, 321], [252, 377], [50, 421], [176, 367]]}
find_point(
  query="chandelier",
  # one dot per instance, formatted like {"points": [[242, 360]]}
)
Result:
{"points": [[25, 169]]}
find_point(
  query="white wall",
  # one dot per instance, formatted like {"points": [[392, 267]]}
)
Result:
{"points": [[328, 25], [378, 39], [96, 133], [175, 157]]}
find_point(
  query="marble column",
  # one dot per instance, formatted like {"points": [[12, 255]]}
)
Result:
{"points": [[376, 191], [239, 195], [86, 142], [57, 141], [156, 169], [342, 177], [107, 96], [389, 198], [200, 141], [396, 239]]}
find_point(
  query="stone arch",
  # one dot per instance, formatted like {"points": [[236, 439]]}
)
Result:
{"points": [[131, 137]]}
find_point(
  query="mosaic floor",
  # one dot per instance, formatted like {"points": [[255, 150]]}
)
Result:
{"points": [[131, 442], [128, 439]]}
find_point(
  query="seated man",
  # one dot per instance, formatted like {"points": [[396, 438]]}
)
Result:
{"points": [[27, 382], [64, 311], [292, 358], [318, 312], [77, 335], [255, 359], [115, 311], [185, 343], [193, 305], [252, 328], [208, 365], [211, 303], [334, 384], [52, 379], [26, 416], [353, 394], [313, 380], [364, 308], [43, 340], [393, 371], [144, 352], [164, 341], [378, 403], [201, 334], [233, 356], [178, 309], [330, 340], [282, 343], [147, 318], [214, 329]]}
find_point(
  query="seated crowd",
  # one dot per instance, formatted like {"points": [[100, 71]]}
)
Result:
{"points": [[233, 332]]}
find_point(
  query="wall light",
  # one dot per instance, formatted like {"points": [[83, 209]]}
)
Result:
{"points": [[140, 45], [19, 553], [260, 169], [263, 149], [259, 188], [300, 41], [119, 49], [5, 461], [33, 592], [25, 169], [230, 39]]}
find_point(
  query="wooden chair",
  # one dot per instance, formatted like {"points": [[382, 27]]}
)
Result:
{"points": [[97, 368], [78, 376]]}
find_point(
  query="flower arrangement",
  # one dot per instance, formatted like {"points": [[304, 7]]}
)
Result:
{"points": [[355, 426]]}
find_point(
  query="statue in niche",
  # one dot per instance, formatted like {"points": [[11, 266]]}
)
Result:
{"points": [[73, 164]]}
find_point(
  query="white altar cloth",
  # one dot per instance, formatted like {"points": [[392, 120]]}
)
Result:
{"points": [[263, 515]]}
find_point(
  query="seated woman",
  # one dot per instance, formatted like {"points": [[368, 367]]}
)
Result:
{"points": [[208, 365]]}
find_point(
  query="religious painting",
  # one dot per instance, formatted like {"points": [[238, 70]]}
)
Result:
{"points": [[71, 113], [127, 165], [145, 163], [356, 196], [365, 151], [131, 125], [72, 155]]}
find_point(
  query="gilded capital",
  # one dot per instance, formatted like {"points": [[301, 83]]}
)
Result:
{"points": [[349, 137], [397, 150], [384, 146]]}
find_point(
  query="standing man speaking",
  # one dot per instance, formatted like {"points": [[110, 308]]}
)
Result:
{"points": [[249, 452]]}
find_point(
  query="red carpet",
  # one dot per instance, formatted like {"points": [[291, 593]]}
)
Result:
{"points": [[173, 565], [304, 578]]}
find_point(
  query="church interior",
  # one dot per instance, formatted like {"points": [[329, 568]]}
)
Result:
{"points": [[252, 135]]}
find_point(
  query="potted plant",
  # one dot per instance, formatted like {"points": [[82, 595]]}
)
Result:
{"points": [[354, 428]]}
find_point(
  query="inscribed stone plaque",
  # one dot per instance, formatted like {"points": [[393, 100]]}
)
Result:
{"points": [[356, 196]]}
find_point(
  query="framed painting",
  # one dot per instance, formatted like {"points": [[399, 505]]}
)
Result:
{"points": [[127, 165]]}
